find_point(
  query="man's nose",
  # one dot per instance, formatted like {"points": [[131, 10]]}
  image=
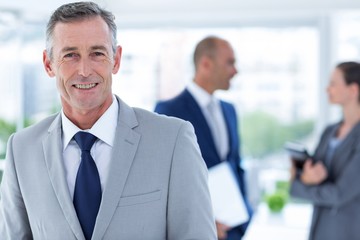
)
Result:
{"points": [[84, 67], [235, 71]]}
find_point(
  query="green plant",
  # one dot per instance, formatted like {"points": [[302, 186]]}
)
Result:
{"points": [[263, 133], [276, 201], [6, 129]]}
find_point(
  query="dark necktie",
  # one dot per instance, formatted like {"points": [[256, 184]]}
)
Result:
{"points": [[87, 194]]}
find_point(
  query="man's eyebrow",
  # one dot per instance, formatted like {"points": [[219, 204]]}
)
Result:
{"points": [[99, 47], [68, 49], [96, 47]]}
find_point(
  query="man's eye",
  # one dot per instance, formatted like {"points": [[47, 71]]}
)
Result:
{"points": [[99, 54], [231, 63], [69, 55]]}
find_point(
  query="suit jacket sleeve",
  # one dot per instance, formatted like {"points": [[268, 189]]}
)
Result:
{"points": [[14, 223], [339, 190], [189, 205]]}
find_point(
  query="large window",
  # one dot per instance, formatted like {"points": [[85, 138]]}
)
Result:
{"points": [[27, 93], [275, 91], [10, 75]]}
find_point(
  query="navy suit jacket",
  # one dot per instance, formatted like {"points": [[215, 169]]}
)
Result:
{"points": [[184, 106]]}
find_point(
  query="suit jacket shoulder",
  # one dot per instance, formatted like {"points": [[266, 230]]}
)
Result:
{"points": [[39, 129]]}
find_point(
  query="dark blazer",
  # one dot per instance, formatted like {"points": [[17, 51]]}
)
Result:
{"points": [[184, 106], [337, 200]]}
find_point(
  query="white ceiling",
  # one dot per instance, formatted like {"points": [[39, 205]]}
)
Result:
{"points": [[196, 10]]}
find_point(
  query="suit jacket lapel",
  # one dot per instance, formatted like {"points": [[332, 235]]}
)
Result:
{"points": [[52, 146], [196, 113], [125, 146], [229, 126], [344, 151]]}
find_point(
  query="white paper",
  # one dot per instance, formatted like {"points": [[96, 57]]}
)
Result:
{"points": [[227, 200]]}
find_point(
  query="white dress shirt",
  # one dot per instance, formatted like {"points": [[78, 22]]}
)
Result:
{"points": [[215, 119], [104, 130]]}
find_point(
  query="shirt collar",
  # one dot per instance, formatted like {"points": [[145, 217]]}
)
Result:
{"points": [[202, 97], [102, 129]]}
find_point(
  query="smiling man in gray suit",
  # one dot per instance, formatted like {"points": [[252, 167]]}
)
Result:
{"points": [[142, 176]]}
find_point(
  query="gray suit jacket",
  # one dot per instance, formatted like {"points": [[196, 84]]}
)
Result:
{"points": [[156, 187], [336, 201]]}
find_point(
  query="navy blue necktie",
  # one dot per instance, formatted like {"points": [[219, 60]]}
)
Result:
{"points": [[87, 194]]}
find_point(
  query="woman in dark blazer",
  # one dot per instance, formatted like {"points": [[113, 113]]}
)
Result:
{"points": [[330, 180]]}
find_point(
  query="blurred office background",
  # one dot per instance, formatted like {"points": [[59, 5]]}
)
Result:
{"points": [[285, 52]]}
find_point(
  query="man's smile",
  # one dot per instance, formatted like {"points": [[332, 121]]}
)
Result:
{"points": [[85, 86]]}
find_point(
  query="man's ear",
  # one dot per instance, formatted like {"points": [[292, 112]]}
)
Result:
{"points": [[206, 62], [47, 64], [355, 89], [117, 60]]}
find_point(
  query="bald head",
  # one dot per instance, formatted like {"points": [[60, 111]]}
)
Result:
{"points": [[214, 62], [206, 48]]}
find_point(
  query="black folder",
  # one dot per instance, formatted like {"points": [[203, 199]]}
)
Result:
{"points": [[297, 152]]}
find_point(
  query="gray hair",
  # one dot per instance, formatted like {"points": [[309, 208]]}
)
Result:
{"points": [[78, 11]]}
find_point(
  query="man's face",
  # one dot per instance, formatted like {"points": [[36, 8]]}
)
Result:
{"points": [[83, 63], [224, 66]]}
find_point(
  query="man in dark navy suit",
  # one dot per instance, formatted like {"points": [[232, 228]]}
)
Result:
{"points": [[214, 120]]}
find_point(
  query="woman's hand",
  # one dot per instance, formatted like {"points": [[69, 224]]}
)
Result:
{"points": [[313, 173]]}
